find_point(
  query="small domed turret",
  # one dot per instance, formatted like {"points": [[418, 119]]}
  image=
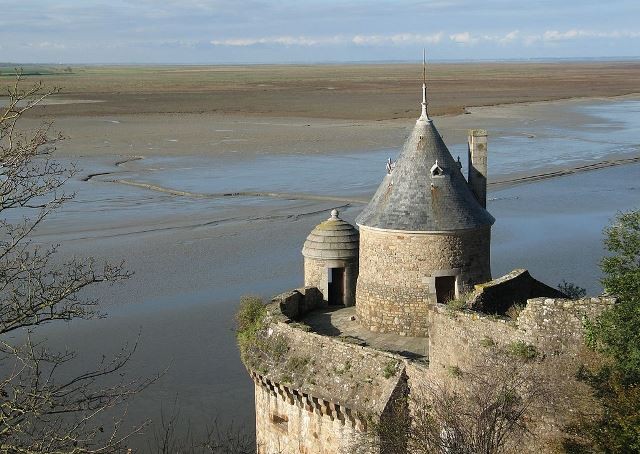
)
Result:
{"points": [[331, 260]]}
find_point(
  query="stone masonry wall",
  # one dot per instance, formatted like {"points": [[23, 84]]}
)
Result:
{"points": [[396, 284], [553, 326], [457, 341], [318, 394], [296, 303], [293, 422], [316, 275], [556, 326]]}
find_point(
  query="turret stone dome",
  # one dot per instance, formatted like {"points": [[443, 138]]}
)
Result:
{"points": [[333, 239]]}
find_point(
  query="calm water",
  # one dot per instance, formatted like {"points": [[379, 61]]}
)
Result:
{"points": [[612, 129], [193, 258]]}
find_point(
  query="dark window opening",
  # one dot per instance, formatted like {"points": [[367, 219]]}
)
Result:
{"points": [[280, 421], [445, 289], [336, 286]]}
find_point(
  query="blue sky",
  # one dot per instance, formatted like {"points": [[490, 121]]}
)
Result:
{"points": [[260, 31]]}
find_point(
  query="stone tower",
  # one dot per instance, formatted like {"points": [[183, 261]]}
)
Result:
{"points": [[424, 237], [331, 260]]}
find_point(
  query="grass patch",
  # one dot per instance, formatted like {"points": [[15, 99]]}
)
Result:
{"points": [[297, 363], [487, 342], [514, 311], [341, 370], [522, 350], [454, 371], [301, 326], [459, 303], [390, 369]]}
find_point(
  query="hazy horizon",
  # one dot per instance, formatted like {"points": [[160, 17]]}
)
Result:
{"points": [[620, 58], [305, 31]]}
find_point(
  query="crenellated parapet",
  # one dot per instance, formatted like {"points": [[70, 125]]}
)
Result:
{"points": [[311, 404], [316, 392]]}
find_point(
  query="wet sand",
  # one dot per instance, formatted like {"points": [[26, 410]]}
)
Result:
{"points": [[195, 250]]}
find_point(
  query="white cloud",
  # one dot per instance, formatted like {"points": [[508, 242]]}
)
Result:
{"points": [[554, 35], [402, 38], [397, 39], [551, 36], [463, 38], [509, 37], [46, 45], [282, 40]]}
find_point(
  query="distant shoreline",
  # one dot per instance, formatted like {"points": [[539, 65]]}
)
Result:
{"points": [[615, 59]]}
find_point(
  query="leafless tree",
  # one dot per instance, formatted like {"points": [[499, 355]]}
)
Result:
{"points": [[43, 406], [487, 408], [172, 435]]}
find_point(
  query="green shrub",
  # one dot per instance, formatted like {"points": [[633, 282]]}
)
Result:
{"points": [[250, 335], [615, 335], [457, 304], [572, 290], [250, 313]]}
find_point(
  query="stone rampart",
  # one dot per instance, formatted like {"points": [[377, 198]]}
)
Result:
{"points": [[317, 394], [556, 326], [553, 326], [292, 421]]}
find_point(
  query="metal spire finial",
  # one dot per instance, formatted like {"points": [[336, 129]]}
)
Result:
{"points": [[424, 115], [424, 66]]}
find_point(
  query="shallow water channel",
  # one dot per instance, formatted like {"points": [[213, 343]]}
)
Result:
{"points": [[194, 254]]}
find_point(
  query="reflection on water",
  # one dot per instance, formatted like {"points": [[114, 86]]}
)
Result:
{"points": [[533, 146]]}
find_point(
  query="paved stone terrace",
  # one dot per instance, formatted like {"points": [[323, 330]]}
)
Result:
{"points": [[342, 322]]}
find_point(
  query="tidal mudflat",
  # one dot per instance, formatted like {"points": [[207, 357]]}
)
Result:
{"points": [[196, 246]]}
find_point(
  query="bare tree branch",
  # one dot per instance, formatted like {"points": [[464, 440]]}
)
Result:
{"points": [[43, 407]]}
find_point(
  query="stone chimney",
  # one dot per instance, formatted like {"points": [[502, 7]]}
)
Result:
{"points": [[478, 164]]}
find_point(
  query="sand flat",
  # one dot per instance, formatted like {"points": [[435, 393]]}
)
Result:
{"points": [[350, 92], [300, 109]]}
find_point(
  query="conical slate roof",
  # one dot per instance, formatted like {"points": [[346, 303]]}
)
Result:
{"points": [[333, 239], [426, 190]]}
